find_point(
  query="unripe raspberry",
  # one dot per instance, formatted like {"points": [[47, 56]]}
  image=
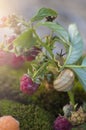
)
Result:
{"points": [[61, 123], [27, 85], [32, 53]]}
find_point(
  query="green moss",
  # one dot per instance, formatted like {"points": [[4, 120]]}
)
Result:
{"points": [[31, 117]]}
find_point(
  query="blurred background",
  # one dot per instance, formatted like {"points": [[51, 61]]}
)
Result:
{"points": [[69, 11]]}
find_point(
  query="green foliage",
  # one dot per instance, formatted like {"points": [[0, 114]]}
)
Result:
{"points": [[81, 72], [44, 12], [31, 117], [76, 45], [58, 29], [24, 41]]}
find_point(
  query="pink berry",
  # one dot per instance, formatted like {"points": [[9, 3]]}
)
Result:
{"points": [[62, 123], [4, 18], [32, 53], [27, 85], [15, 61], [3, 58], [3, 21]]}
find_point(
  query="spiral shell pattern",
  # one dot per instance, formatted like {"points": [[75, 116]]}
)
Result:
{"points": [[64, 81]]}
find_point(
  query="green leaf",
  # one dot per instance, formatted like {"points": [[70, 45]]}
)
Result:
{"points": [[59, 40], [81, 72], [25, 40], [76, 45], [44, 12], [60, 31], [84, 61]]}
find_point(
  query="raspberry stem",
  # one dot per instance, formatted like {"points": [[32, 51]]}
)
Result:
{"points": [[71, 97]]}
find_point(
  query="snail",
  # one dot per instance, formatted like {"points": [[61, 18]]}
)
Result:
{"points": [[60, 58], [64, 81]]}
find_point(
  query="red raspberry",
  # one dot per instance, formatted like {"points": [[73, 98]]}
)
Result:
{"points": [[3, 58], [61, 123], [32, 53], [15, 61], [10, 59], [27, 85]]}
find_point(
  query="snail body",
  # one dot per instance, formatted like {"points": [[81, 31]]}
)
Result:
{"points": [[64, 81], [48, 81]]}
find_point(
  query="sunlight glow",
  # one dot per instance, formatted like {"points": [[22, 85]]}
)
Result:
{"points": [[3, 7], [5, 10]]}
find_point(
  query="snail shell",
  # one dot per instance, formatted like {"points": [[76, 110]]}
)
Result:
{"points": [[65, 80]]}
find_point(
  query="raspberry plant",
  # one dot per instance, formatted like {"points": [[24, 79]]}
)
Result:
{"points": [[27, 45]]}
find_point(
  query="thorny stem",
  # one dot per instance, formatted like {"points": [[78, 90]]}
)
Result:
{"points": [[43, 44], [40, 69], [46, 47]]}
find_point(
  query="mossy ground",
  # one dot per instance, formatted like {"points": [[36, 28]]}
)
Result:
{"points": [[31, 117]]}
